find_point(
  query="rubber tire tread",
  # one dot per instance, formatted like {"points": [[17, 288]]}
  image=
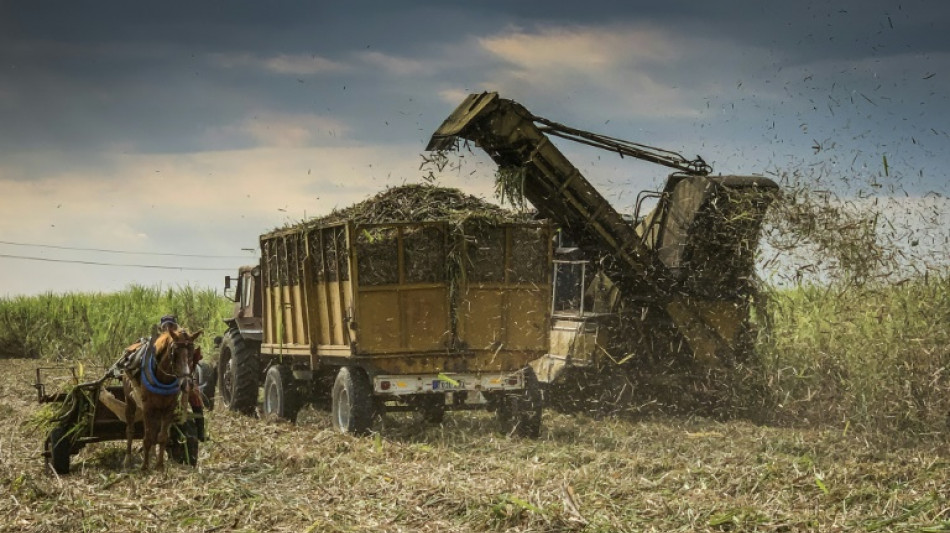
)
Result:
{"points": [[176, 449], [59, 447], [362, 407], [290, 399], [432, 409], [207, 389], [519, 414], [246, 362]]}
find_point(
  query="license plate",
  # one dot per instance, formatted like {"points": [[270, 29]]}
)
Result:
{"points": [[439, 384]]}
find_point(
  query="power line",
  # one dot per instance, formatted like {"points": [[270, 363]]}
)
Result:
{"points": [[97, 263], [128, 252]]}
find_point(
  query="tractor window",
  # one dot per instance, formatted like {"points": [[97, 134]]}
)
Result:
{"points": [[247, 289]]}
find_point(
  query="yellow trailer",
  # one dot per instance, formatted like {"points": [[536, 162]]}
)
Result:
{"points": [[428, 316]]}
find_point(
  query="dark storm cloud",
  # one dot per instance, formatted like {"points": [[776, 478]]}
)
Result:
{"points": [[155, 78]]}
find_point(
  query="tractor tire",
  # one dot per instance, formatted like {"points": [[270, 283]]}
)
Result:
{"points": [[352, 406], [58, 447], [282, 400], [205, 376], [182, 444], [238, 373], [519, 412]]}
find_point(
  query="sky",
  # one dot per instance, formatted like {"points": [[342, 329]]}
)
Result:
{"points": [[165, 137]]}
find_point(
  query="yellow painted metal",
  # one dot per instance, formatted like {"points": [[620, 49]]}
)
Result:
{"points": [[416, 318], [399, 321], [481, 318]]}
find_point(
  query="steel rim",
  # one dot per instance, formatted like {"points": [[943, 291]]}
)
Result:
{"points": [[343, 410], [271, 399]]}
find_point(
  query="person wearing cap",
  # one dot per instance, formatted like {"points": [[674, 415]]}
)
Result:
{"points": [[167, 323]]}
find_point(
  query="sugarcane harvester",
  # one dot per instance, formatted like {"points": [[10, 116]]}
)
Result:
{"points": [[676, 283]]}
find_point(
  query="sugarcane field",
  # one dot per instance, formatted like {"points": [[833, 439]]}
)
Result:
{"points": [[426, 268]]}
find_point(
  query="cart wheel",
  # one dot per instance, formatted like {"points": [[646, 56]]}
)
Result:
{"points": [[352, 406], [183, 443], [281, 398], [58, 448], [519, 412]]}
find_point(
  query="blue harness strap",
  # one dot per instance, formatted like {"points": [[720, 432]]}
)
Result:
{"points": [[149, 381]]}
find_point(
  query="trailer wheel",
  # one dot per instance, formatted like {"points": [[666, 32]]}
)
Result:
{"points": [[352, 407], [519, 413], [238, 371], [281, 397], [207, 380], [432, 408], [58, 448], [183, 443]]}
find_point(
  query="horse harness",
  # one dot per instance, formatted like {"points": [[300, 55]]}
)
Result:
{"points": [[143, 361]]}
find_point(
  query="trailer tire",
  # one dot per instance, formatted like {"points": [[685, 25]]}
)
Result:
{"points": [[352, 407], [58, 446], [431, 408], [519, 413], [238, 373], [183, 443], [206, 377], [282, 400]]}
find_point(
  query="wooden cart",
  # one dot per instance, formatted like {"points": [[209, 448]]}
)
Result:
{"points": [[94, 411]]}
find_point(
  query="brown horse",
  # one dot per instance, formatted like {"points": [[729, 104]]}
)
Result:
{"points": [[160, 389]]}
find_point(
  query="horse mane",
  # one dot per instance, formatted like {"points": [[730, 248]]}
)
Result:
{"points": [[163, 341]]}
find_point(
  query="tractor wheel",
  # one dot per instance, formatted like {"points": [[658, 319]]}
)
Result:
{"points": [[207, 381], [58, 446], [182, 444], [519, 412], [281, 397], [352, 406], [238, 373]]}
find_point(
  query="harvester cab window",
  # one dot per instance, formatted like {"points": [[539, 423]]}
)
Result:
{"points": [[570, 285]]}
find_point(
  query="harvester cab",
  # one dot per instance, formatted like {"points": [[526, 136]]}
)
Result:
{"points": [[673, 282]]}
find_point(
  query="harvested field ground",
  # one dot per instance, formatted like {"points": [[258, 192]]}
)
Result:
{"points": [[584, 474]]}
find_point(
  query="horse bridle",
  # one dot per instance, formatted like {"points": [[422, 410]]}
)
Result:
{"points": [[170, 352]]}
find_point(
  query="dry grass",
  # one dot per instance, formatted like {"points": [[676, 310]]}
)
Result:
{"points": [[658, 474]]}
